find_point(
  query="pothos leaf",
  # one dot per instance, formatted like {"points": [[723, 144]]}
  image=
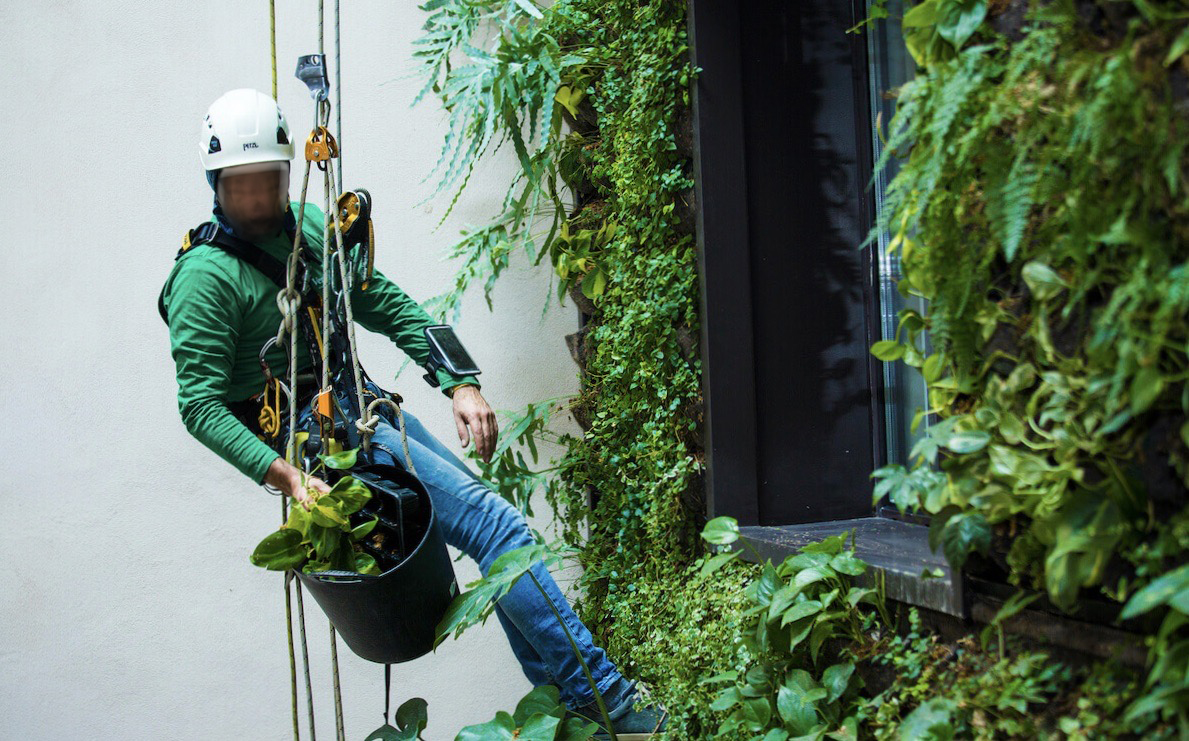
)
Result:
{"points": [[280, 550], [341, 460]]}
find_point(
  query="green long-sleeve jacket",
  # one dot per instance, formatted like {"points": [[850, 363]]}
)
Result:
{"points": [[221, 312]]}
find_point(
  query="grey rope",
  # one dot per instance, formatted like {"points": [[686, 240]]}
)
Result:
{"points": [[305, 658], [338, 93]]}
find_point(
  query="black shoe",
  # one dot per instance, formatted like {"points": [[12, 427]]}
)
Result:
{"points": [[629, 724]]}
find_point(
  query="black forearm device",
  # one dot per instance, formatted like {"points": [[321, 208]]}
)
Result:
{"points": [[446, 351]]}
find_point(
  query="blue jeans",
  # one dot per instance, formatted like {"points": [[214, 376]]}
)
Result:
{"points": [[483, 525]]}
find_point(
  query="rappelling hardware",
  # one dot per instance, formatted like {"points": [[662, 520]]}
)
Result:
{"points": [[446, 351], [355, 222], [321, 146], [311, 69]]}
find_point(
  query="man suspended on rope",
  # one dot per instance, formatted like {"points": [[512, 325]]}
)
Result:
{"points": [[221, 306]]}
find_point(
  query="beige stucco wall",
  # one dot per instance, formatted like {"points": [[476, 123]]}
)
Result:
{"points": [[128, 607]]}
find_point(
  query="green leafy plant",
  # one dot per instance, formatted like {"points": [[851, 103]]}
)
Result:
{"points": [[539, 716], [947, 691], [318, 535], [411, 719], [939, 28], [474, 606], [796, 687], [1027, 225], [508, 473]]}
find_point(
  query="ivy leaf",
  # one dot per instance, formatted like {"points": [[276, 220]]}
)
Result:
{"points": [[836, 679], [793, 704], [348, 492], [544, 700], [726, 699], [933, 366], [961, 20], [1145, 389], [1157, 593], [539, 727], [500, 727], [716, 561], [968, 441], [846, 563], [931, 720], [327, 516], [800, 610], [963, 533], [757, 711], [594, 283], [279, 551], [888, 350], [365, 564], [1042, 280], [721, 531], [360, 532]]}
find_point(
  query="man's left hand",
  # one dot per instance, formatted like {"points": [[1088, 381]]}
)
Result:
{"points": [[471, 411]]}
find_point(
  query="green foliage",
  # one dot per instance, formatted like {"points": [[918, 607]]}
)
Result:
{"points": [[939, 28], [321, 537], [508, 473], [524, 82], [946, 691], [626, 65], [539, 716], [1041, 209], [473, 607], [411, 719], [795, 685]]}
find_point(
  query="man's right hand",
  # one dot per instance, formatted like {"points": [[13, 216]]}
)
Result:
{"points": [[293, 482]]}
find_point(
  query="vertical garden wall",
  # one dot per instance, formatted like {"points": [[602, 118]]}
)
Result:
{"points": [[1040, 208]]}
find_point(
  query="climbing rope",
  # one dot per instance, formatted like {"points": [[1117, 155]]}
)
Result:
{"points": [[272, 42], [321, 147]]}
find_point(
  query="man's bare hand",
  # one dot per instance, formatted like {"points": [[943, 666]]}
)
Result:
{"points": [[471, 411], [293, 482]]}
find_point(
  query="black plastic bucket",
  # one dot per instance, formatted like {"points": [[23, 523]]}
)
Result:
{"points": [[391, 618]]}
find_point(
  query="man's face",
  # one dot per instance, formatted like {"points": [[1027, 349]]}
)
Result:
{"points": [[253, 200]]}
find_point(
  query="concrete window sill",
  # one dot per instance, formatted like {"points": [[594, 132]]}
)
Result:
{"points": [[899, 550]]}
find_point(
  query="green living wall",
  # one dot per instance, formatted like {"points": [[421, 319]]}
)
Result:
{"points": [[1040, 208]]}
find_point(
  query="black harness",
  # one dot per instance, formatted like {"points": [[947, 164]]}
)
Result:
{"points": [[210, 233]]}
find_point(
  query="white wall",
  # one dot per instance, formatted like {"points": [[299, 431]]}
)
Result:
{"points": [[128, 607]]}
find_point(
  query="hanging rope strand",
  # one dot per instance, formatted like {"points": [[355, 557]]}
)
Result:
{"points": [[338, 93], [305, 658], [289, 631], [272, 39], [341, 734]]}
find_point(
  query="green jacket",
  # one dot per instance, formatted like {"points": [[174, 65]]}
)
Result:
{"points": [[221, 312]]}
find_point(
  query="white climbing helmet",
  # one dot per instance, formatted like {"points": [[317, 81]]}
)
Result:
{"points": [[244, 127]]}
